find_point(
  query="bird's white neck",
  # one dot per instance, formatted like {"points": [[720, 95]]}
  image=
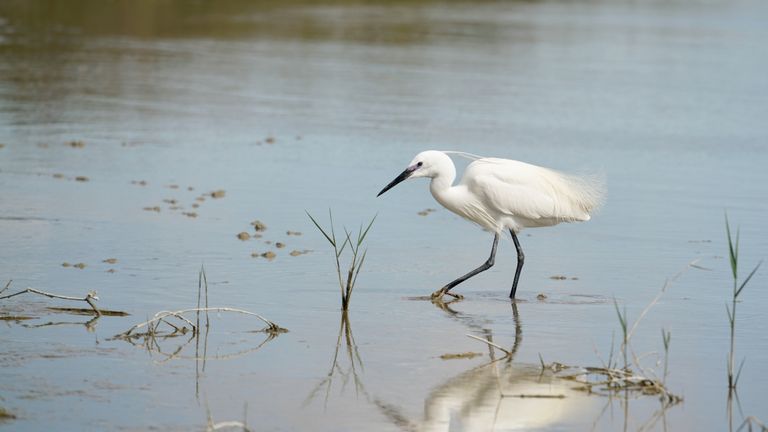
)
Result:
{"points": [[442, 181]]}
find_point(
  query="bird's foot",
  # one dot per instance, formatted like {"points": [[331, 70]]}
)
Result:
{"points": [[438, 295]]}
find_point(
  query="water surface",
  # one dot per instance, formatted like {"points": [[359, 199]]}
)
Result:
{"points": [[667, 99]]}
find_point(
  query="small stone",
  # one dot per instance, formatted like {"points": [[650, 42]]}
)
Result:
{"points": [[269, 255], [79, 265], [279, 245], [76, 144], [259, 225], [110, 260], [218, 194], [81, 178], [243, 236], [295, 253]]}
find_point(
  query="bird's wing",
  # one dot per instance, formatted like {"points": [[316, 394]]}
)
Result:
{"points": [[519, 189]]}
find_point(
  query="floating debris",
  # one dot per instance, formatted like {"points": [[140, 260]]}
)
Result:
{"points": [[541, 297], [58, 175], [558, 277], [293, 233], [200, 198], [76, 144], [295, 252], [269, 255], [218, 194], [243, 236], [110, 260], [195, 205], [257, 236], [259, 225], [79, 265], [173, 186], [189, 214], [170, 201], [190, 188], [154, 209], [2, 145], [139, 182], [66, 264], [426, 212], [81, 178], [279, 245], [465, 355], [270, 140], [111, 271]]}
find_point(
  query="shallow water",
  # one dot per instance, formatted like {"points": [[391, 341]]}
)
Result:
{"points": [[667, 99]]}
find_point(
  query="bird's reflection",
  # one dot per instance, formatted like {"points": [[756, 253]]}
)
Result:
{"points": [[497, 395]]}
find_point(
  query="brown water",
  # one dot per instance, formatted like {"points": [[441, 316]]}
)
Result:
{"points": [[668, 99]]}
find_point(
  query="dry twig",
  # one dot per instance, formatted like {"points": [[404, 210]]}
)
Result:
{"points": [[89, 298]]}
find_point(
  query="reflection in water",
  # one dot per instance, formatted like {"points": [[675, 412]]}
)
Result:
{"points": [[90, 325], [351, 371], [498, 395]]}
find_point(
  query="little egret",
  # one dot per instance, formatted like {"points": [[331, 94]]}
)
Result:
{"points": [[500, 194]]}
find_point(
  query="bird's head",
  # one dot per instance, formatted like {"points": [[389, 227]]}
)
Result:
{"points": [[426, 164]]}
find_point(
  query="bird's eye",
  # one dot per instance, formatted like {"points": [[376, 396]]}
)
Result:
{"points": [[420, 164]]}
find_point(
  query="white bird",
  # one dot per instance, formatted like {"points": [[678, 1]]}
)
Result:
{"points": [[500, 194]]}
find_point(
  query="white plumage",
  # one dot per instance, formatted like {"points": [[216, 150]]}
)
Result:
{"points": [[500, 194]]}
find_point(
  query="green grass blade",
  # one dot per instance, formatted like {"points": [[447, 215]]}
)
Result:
{"points": [[732, 252], [738, 374], [359, 266], [320, 228], [365, 233], [730, 317], [333, 231], [622, 319], [743, 284]]}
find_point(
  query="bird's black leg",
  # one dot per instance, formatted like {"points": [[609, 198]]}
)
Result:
{"points": [[520, 260], [488, 264]]}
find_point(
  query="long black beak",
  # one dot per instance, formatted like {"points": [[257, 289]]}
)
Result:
{"points": [[403, 175]]}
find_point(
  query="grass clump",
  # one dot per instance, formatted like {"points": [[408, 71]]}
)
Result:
{"points": [[346, 282]]}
